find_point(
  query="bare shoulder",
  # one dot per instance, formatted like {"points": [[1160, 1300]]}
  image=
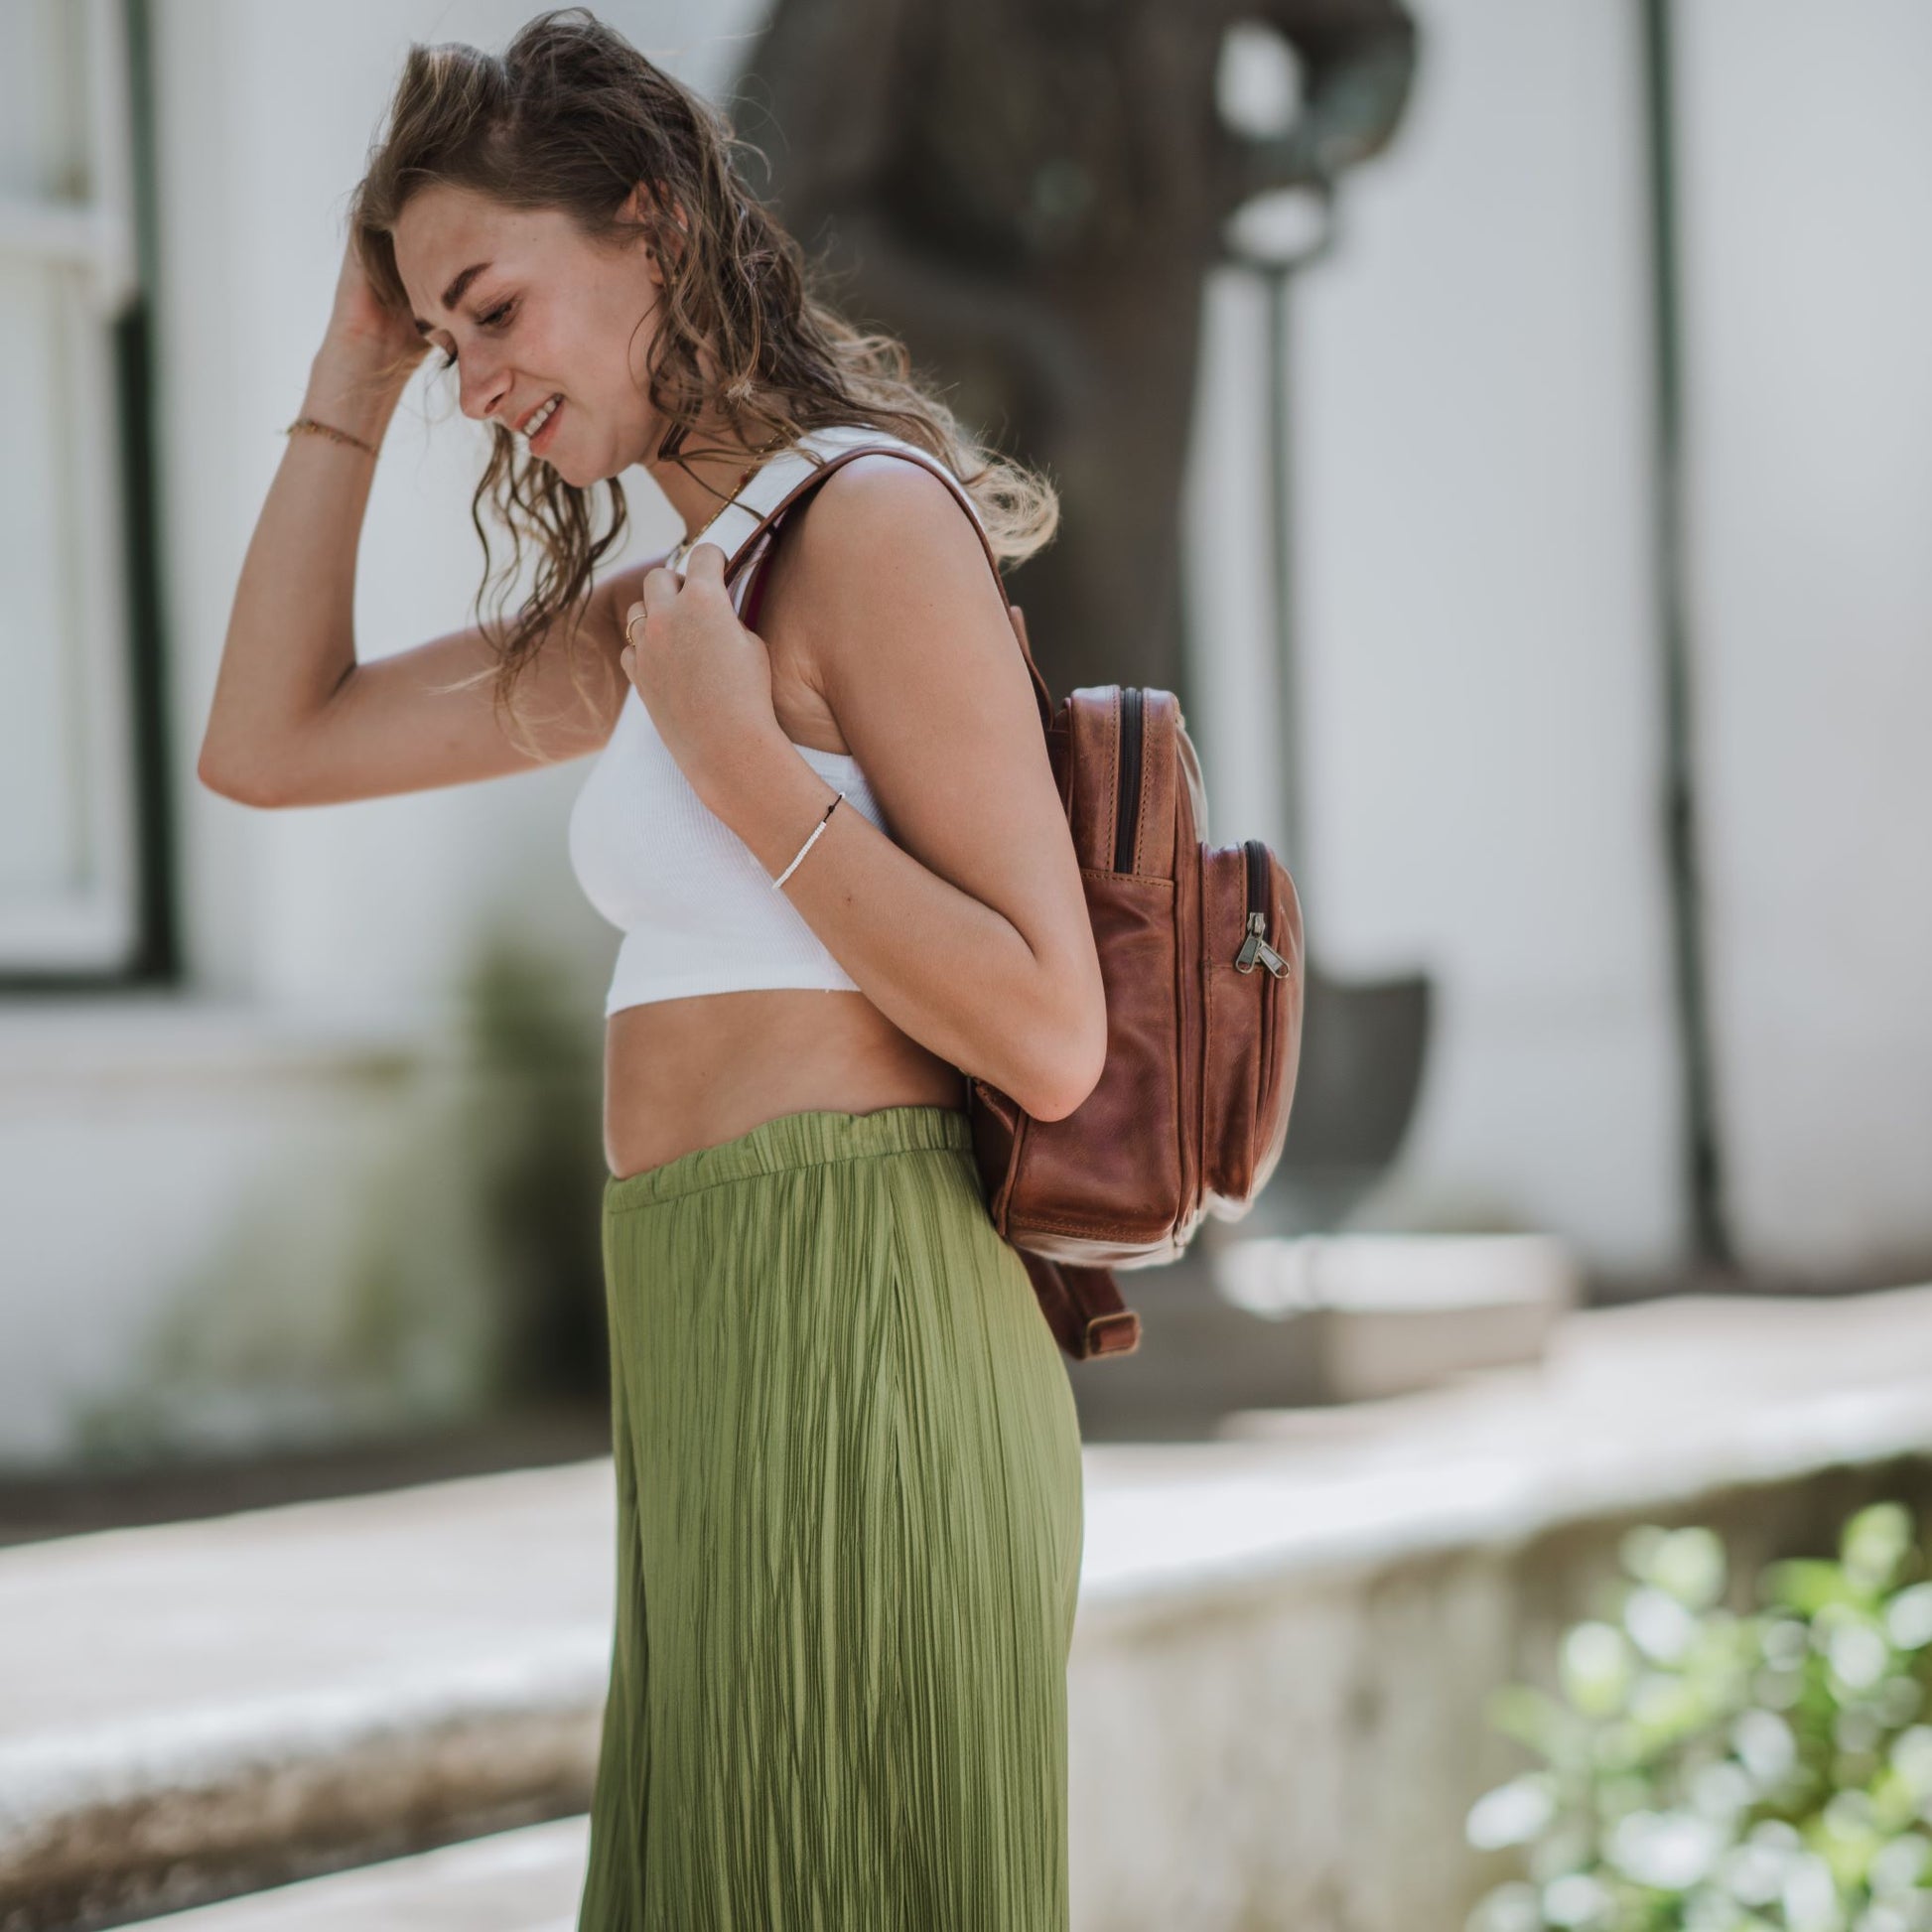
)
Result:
{"points": [[887, 528], [878, 488]]}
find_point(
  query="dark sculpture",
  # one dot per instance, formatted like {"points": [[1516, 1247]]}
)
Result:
{"points": [[1030, 194]]}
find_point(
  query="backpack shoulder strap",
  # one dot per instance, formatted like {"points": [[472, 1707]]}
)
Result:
{"points": [[753, 549]]}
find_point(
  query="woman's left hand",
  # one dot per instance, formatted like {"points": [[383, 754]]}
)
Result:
{"points": [[704, 679]]}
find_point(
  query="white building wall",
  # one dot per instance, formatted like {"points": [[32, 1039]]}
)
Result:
{"points": [[1479, 682], [1806, 197], [1480, 662], [1475, 659]]}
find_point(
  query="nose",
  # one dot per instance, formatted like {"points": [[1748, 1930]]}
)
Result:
{"points": [[484, 388]]}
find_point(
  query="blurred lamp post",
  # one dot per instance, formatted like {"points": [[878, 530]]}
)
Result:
{"points": [[1364, 1042]]}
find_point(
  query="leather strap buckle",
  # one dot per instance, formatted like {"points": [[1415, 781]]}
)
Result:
{"points": [[1114, 1335]]}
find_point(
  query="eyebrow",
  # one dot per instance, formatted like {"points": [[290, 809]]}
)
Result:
{"points": [[454, 293]]}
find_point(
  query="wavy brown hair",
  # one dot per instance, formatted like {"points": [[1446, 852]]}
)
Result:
{"points": [[571, 116]]}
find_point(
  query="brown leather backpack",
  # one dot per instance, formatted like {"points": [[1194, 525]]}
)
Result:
{"points": [[1200, 952]]}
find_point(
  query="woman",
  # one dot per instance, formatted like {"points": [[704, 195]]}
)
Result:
{"points": [[847, 1453]]}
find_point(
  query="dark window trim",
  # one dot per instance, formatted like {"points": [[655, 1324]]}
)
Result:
{"points": [[154, 958], [1711, 1246]]}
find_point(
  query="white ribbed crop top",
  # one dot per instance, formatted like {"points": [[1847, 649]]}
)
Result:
{"points": [[692, 899]]}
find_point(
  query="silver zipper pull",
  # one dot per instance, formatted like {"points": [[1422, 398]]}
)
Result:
{"points": [[1244, 960], [1254, 947]]}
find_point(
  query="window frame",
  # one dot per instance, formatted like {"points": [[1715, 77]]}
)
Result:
{"points": [[114, 924]]}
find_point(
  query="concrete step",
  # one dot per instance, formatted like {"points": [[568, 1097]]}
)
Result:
{"points": [[525, 1880], [1381, 1314]]}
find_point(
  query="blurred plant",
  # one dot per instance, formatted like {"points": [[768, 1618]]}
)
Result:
{"points": [[1721, 1772], [533, 1139]]}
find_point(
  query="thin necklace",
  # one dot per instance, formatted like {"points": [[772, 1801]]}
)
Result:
{"points": [[683, 550]]}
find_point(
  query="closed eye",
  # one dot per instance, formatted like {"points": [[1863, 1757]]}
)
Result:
{"points": [[497, 315]]}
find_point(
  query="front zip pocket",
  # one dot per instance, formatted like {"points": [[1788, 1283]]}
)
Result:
{"points": [[1255, 945]]}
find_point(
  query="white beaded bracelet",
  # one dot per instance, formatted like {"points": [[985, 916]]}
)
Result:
{"points": [[807, 846]]}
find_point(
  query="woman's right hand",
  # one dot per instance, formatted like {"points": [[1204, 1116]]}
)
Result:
{"points": [[364, 333]]}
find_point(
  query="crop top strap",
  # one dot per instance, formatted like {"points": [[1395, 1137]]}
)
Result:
{"points": [[755, 550]]}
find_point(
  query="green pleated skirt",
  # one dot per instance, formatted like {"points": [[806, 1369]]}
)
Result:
{"points": [[848, 1536]]}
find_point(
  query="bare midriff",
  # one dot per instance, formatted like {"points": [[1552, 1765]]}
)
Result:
{"points": [[699, 1070]]}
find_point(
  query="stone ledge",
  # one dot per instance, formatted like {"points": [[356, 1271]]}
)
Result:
{"points": [[1495, 1458], [236, 1701], [259, 1818]]}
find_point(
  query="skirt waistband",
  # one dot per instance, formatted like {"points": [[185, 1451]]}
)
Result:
{"points": [[801, 1140]]}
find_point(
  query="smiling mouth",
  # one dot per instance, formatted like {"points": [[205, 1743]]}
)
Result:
{"points": [[542, 417]]}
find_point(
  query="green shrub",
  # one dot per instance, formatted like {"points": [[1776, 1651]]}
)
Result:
{"points": [[1724, 1772]]}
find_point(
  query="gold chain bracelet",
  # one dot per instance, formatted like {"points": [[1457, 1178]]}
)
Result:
{"points": [[329, 430]]}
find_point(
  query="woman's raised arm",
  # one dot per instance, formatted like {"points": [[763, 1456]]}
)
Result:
{"points": [[294, 718]]}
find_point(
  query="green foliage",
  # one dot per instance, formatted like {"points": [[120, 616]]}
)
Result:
{"points": [[1708, 1772]]}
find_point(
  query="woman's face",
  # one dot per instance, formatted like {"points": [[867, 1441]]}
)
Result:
{"points": [[548, 315]]}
